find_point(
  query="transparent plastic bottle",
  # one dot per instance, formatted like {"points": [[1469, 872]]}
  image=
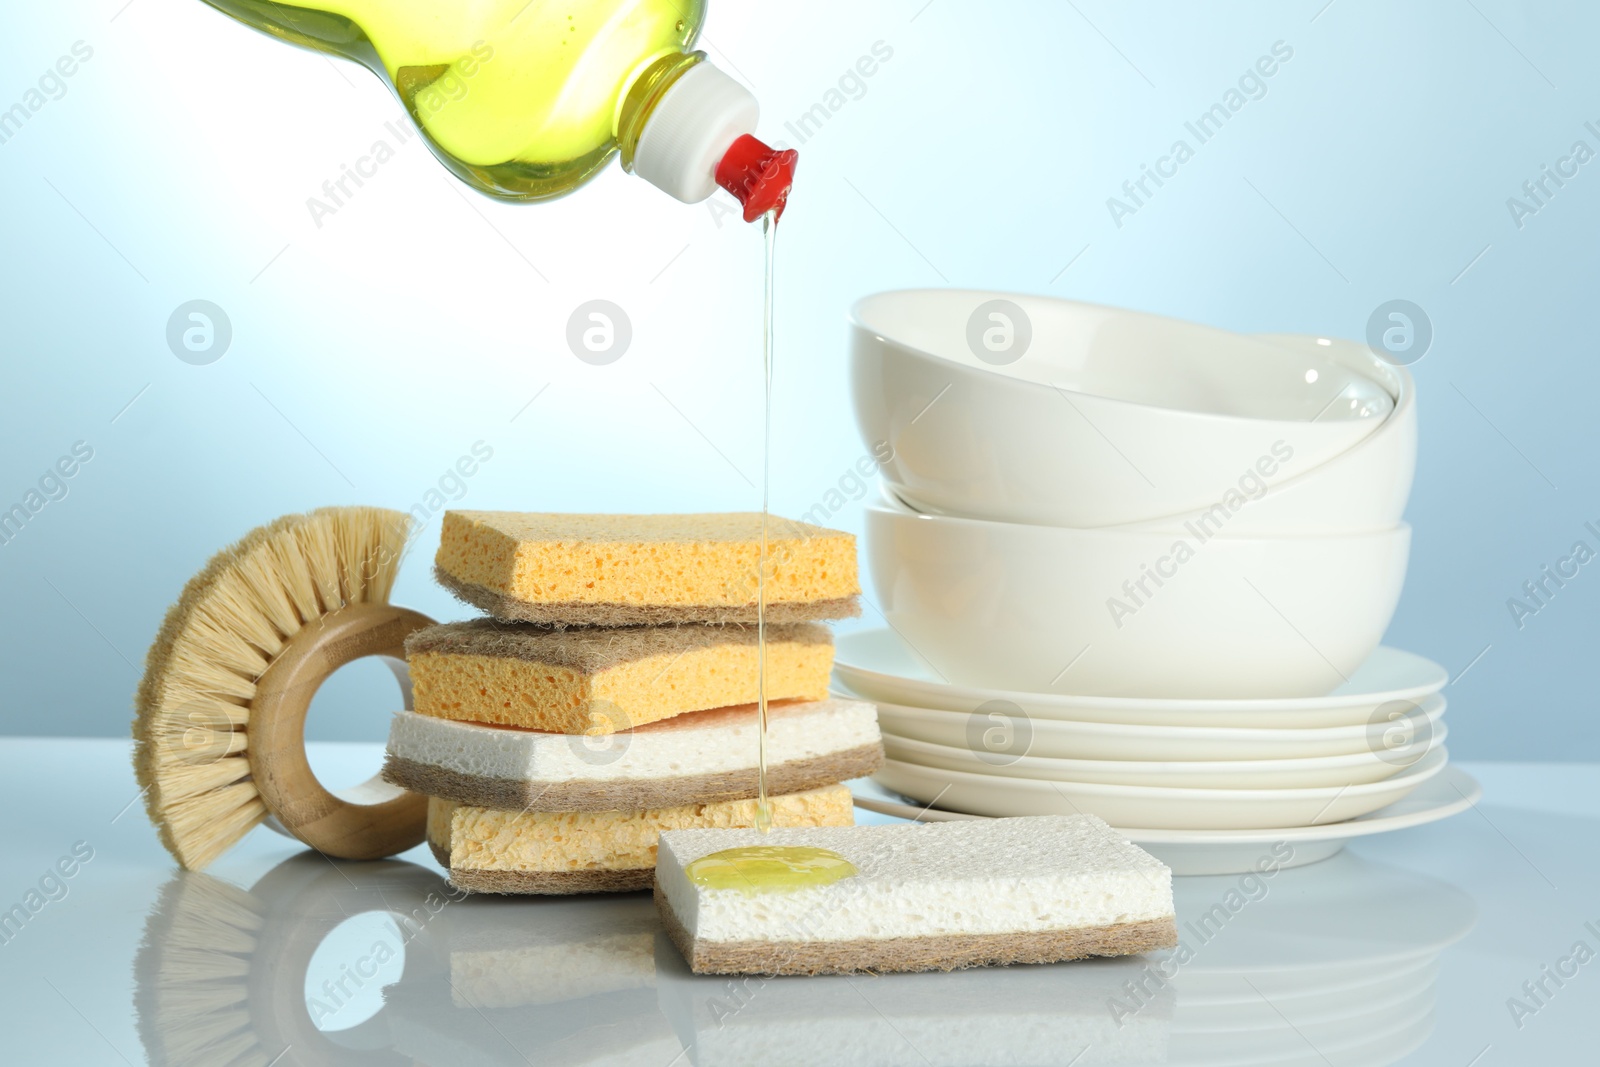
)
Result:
{"points": [[529, 99]]}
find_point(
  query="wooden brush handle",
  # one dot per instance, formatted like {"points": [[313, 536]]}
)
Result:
{"points": [[372, 820]]}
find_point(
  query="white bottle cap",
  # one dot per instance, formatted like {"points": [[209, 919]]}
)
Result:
{"points": [[697, 119]]}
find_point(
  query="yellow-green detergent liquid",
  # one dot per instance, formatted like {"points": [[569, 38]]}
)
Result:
{"points": [[769, 868], [522, 99], [769, 230]]}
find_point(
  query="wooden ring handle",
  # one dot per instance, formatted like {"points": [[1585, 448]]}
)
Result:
{"points": [[371, 820]]}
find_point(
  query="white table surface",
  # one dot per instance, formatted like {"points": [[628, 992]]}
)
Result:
{"points": [[1406, 948]]}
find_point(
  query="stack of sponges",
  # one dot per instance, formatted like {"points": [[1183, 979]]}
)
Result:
{"points": [[610, 694]]}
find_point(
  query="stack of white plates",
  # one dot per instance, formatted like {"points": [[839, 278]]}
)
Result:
{"points": [[1141, 568], [1210, 786]]}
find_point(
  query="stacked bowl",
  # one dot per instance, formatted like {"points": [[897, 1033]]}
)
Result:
{"points": [[1136, 566]]}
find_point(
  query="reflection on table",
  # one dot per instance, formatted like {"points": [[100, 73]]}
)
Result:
{"points": [[384, 963]]}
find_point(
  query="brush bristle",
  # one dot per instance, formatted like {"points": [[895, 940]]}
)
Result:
{"points": [[191, 975], [192, 708]]}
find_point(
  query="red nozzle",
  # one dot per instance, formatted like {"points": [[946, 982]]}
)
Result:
{"points": [[758, 176]]}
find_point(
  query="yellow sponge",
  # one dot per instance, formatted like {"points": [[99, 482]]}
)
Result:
{"points": [[623, 570], [492, 851], [601, 681]]}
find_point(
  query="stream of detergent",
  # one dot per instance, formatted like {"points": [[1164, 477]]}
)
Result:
{"points": [[767, 868], [769, 231]]}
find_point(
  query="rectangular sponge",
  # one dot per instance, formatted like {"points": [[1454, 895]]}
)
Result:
{"points": [[926, 897], [489, 851], [604, 681], [698, 758], [626, 570]]}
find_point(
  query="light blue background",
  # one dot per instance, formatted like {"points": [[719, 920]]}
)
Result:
{"points": [[372, 352]]}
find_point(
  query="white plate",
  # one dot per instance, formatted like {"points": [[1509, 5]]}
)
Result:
{"points": [[1153, 806], [1001, 728], [1196, 852], [876, 664], [1356, 769]]}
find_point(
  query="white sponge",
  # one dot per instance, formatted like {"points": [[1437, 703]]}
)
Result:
{"points": [[701, 757], [924, 897]]}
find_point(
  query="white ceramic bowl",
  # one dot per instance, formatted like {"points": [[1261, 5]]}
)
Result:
{"points": [[1149, 806], [1108, 417], [875, 665], [1051, 609], [1354, 769], [1003, 727], [1364, 488]]}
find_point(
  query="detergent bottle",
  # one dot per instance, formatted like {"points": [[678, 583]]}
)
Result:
{"points": [[529, 99]]}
